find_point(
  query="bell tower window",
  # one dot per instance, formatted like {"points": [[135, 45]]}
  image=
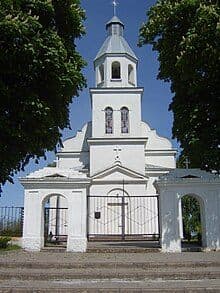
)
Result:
{"points": [[101, 73], [124, 120], [108, 120], [130, 74], [116, 70]]}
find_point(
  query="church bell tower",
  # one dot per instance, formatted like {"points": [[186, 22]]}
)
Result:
{"points": [[115, 63], [116, 104]]}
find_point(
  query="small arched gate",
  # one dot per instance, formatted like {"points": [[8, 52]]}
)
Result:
{"points": [[55, 221]]}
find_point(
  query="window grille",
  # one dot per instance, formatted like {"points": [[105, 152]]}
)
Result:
{"points": [[108, 120], [124, 120]]}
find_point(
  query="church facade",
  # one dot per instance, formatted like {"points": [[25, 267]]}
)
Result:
{"points": [[104, 176]]}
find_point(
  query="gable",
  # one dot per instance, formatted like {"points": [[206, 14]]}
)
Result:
{"points": [[118, 173], [54, 175]]}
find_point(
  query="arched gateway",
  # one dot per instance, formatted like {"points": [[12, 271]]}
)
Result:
{"points": [[205, 187]]}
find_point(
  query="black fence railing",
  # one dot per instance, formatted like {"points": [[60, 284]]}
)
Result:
{"points": [[11, 221]]}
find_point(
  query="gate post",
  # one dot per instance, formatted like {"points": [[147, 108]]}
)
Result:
{"points": [[169, 221], [32, 229], [77, 211]]}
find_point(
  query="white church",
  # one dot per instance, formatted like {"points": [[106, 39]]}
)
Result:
{"points": [[116, 179]]}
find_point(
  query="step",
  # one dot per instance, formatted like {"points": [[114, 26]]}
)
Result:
{"points": [[105, 264], [122, 250], [54, 249], [111, 285], [104, 273]]}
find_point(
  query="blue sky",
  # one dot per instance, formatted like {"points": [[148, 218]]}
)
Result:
{"points": [[157, 95]]}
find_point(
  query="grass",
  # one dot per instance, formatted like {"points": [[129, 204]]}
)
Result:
{"points": [[10, 247]]}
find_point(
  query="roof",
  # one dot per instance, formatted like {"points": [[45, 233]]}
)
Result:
{"points": [[114, 19], [115, 45], [155, 167], [188, 174]]}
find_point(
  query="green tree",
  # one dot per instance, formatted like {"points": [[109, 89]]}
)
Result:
{"points": [[186, 34], [191, 217], [40, 72]]}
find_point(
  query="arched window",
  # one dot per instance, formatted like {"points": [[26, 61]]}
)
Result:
{"points": [[124, 120], [108, 120], [101, 73], [130, 74], [116, 70]]}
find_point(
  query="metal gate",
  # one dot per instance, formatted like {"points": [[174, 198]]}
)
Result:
{"points": [[55, 225], [123, 217]]}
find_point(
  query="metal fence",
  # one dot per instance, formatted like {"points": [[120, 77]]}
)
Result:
{"points": [[11, 221]]}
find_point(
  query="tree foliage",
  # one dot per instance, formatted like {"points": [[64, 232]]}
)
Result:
{"points": [[40, 71], [186, 34], [191, 217]]}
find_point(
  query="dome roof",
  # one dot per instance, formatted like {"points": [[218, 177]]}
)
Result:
{"points": [[115, 45], [115, 42], [114, 19]]}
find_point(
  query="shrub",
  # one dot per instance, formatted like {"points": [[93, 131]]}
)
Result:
{"points": [[12, 229], [4, 242]]}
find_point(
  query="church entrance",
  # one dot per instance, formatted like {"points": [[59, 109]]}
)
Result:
{"points": [[119, 218]]}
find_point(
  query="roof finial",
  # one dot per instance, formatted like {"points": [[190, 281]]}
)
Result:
{"points": [[114, 3]]}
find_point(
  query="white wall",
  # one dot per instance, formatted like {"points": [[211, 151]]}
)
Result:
{"points": [[102, 156]]}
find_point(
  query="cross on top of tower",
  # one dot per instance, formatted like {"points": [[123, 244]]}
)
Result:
{"points": [[115, 4]]}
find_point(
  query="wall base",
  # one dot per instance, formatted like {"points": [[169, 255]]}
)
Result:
{"points": [[76, 244], [171, 246], [31, 243]]}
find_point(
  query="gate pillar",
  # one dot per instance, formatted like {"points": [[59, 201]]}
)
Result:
{"points": [[33, 239], [77, 232], [169, 222]]}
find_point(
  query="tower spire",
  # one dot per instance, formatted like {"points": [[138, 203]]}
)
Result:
{"points": [[115, 4]]}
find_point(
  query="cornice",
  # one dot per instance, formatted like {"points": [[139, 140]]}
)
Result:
{"points": [[187, 181], [63, 182], [130, 140], [117, 181], [135, 60], [72, 154], [160, 152], [116, 90]]}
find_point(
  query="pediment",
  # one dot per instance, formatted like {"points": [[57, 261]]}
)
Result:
{"points": [[55, 175], [118, 173], [190, 176]]}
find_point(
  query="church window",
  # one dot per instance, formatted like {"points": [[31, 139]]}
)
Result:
{"points": [[130, 74], [108, 120], [116, 70], [101, 73], [124, 120]]}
